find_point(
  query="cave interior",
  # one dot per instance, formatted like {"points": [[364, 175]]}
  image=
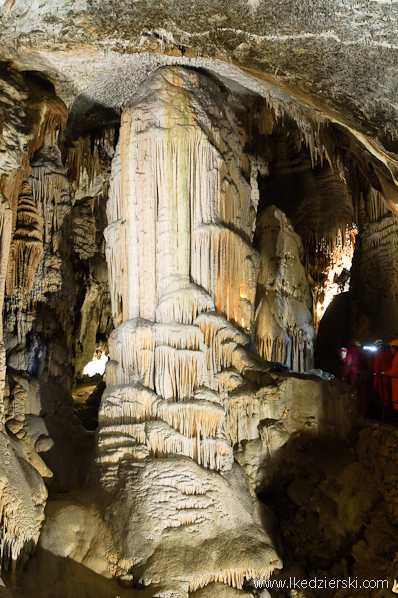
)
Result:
{"points": [[211, 243]]}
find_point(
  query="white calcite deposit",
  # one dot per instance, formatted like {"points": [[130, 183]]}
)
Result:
{"points": [[183, 281]]}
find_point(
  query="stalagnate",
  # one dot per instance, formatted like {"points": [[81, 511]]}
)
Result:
{"points": [[183, 279]]}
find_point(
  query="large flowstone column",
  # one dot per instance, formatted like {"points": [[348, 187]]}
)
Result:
{"points": [[182, 279]]}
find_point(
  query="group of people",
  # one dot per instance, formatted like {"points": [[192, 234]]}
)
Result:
{"points": [[356, 366]]}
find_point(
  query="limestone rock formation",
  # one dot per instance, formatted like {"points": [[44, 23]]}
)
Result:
{"points": [[182, 277], [175, 182], [284, 324], [374, 277]]}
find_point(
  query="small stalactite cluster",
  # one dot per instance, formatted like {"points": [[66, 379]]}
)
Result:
{"points": [[334, 263], [27, 243], [85, 158], [232, 577]]}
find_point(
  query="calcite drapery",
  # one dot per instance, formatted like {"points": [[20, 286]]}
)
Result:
{"points": [[285, 328], [182, 278], [374, 288]]}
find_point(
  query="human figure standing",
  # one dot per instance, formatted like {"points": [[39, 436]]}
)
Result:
{"points": [[355, 370], [393, 372]]}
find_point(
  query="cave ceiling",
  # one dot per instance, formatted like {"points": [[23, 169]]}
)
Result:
{"points": [[319, 60]]}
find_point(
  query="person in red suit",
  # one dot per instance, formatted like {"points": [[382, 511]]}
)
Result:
{"points": [[393, 372], [354, 370], [383, 361]]}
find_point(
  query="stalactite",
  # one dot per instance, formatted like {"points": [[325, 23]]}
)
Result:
{"points": [[218, 255], [199, 418], [27, 244], [161, 439], [184, 305], [227, 381], [114, 205], [279, 340], [113, 252], [51, 195], [209, 452], [376, 205], [54, 116], [82, 157], [129, 403], [177, 372], [232, 577], [131, 345], [274, 349], [255, 409], [380, 233], [221, 339], [179, 336]]}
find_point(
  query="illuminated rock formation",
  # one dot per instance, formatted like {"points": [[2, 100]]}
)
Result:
{"points": [[284, 324], [183, 276]]}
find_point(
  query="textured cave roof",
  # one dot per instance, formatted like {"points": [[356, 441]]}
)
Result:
{"points": [[336, 60]]}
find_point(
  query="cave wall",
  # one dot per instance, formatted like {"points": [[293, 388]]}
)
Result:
{"points": [[373, 289]]}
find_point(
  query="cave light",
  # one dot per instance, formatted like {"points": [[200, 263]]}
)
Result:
{"points": [[341, 259], [97, 364]]}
